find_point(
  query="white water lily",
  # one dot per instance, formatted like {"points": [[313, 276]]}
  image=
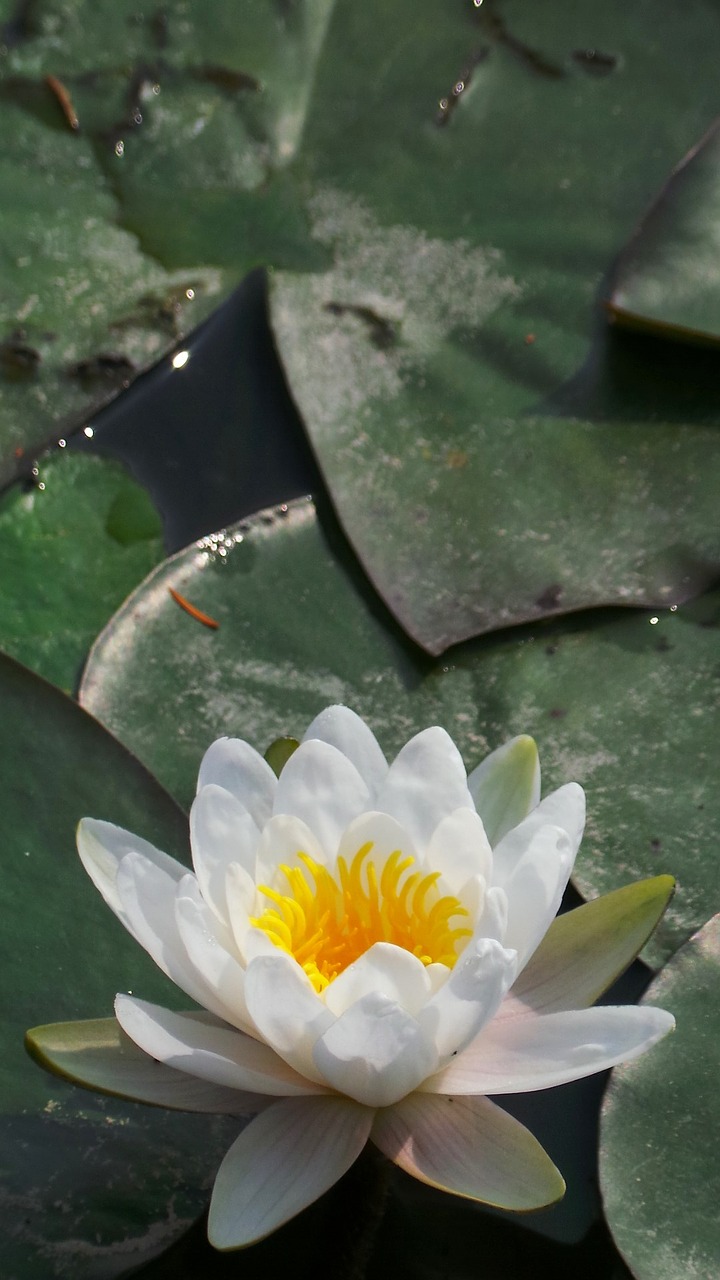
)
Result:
{"points": [[369, 943]]}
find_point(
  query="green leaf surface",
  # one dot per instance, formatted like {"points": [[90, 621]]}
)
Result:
{"points": [[71, 548], [666, 279], [453, 253], [585, 950], [623, 703], [83, 307], [658, 1142], [99, 271], [90, 1185], [483, 476]]}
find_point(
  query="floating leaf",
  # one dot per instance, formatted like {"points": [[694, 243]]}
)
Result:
{"points": [[82, 305], [624, 703], [658, 1143], [91, 1185], [477, 491], [71, 547], [666, 279], [97, 281], [455, 256], [481, 478]]}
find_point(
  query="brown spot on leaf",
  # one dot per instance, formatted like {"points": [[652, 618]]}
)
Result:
{"points": [[550, 598]]}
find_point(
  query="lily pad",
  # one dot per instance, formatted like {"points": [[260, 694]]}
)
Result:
{"points": [[666, 279], [442, 363], [658, 1153], [83, 307], [91, 1185], [72, 545], [622, 702], [291, 136], [466, 519], [113, 118], [432, 374]]}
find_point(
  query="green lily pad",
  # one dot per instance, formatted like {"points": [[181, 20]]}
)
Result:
{"points": [[99, 275], [621, 702], [467, 520], [71, 548], [666, 279], [91, 1185], [658, 1143], [290, 135], [83, 307], [480, 478]]}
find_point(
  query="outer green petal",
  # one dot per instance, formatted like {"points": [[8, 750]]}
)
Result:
{"points": [[98, 1055], [506, 786], [585, 950], [470, 1147]]}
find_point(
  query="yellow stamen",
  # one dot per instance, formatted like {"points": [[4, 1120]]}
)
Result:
{"points": [[326, 922]]}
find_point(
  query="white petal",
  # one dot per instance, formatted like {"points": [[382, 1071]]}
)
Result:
{"points": [[375, 1052], [562, 808], [470, 1147], [282, 839], [282, 1162], [506, 786], [222, 832], [320, 786], [384, 834], [242, 901], [147, 895], [425, 783], [536, 1053], [214, 962], [257, 943], [387, 969], [535, 889], [343, 729], [471, 995], [460, 850], [492, 923], [286, 1010], [102, 847], [240, 769], [209, 1050]]}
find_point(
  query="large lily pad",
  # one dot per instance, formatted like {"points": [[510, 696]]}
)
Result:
{"points": [[72, 545], [658, 1156], [666, 279], [430, 362], [89, 1185], [622, 703]]}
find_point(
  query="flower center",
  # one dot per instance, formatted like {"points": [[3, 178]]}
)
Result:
{"points": [[326, 922]]}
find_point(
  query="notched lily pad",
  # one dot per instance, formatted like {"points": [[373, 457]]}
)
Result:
{"points": [[658, 1141], [429, 362], [666, 279], [465, 519], [624, 703]]}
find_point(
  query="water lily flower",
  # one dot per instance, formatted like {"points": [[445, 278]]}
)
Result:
{"points": [[374, 949]]}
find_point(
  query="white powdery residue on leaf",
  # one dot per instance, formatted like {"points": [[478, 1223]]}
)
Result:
{"points": [[430, 285], [392, 296]]}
